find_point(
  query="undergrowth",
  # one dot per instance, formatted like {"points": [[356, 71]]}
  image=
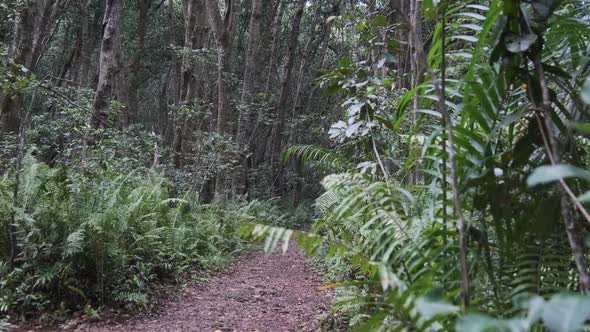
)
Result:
{"points": [[94, 239]]}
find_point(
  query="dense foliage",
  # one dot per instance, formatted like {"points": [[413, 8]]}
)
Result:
{"points": [[463, 193], [104, 237], [127, 148], [451, 137]]}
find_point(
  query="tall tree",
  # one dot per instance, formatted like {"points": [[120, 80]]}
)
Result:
{"points": [[71, 65], [306, 54], [92, 30], [109, 53], [168, 93], [286, 85], [399, 13], [249, 89], [32, 31], [223, 29], [196, 32], [129, 74], [275, 34]]}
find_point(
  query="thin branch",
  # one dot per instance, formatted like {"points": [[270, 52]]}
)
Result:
{"points": [[385, 176], [73, 103], [453, 167], [552, 149]]}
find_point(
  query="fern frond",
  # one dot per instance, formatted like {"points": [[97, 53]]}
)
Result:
{"points": [[325, 159]]}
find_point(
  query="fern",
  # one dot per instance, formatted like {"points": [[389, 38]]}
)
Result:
{"points": [[327, 160], [88, 237], [74, 243]]}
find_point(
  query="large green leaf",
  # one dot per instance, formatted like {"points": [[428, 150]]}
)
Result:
{"points": [[479, 322], [566, 312], [429, 309], [547, 174]]}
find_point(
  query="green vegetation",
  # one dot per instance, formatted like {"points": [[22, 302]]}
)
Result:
{"points": [[444, 145], [459, 204], [104, 237]]}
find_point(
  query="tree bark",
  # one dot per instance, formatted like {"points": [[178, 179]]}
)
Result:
{"points": [[196, 33], [72, 69], [192, 75], [402, 14], [249, 89], [223, 29], [303, 63], [169, 94], [416, 70], [130, 72], [31, 35], [109, 52], [273, 57], [323, 52], [284, 95], [92, 33]]}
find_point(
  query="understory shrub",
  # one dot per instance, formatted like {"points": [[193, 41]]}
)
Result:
{"points": [[93, 238]]}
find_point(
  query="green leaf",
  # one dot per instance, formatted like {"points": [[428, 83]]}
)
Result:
{"points": [[429, 9], [536, 305], [345, 62], [466, 37], [480, 7], [547, 174], [429, 309], [477, 322], [473, 27], [582, 128], [585, 197], [380, 20], [472, 15], [566, 312]]}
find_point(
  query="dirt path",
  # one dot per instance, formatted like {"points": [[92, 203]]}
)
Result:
{"points": [[257, 292]]}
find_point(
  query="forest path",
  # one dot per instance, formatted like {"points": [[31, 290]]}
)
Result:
{"points": [[258, 292]]}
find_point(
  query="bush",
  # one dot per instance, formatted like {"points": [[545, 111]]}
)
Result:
{"points": [[103, 238]]}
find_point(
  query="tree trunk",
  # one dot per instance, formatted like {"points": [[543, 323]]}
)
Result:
{"points": [[192, 75], [249, 89], [284, 95], [31, 35], [93, 32], [72, 69], [323, 52], [275, 47], [223, 29], [303, 63], [399, 15], [196, 33], [109, 52], [129, 77], [416, 70], [169, 94]]}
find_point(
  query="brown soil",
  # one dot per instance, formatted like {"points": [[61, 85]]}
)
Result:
{"points": [[258, 292]]}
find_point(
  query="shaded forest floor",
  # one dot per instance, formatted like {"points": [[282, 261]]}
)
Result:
{"points": [[258, 292]]}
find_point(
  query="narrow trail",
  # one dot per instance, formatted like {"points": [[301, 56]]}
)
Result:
{"points": [[258, 292]]}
